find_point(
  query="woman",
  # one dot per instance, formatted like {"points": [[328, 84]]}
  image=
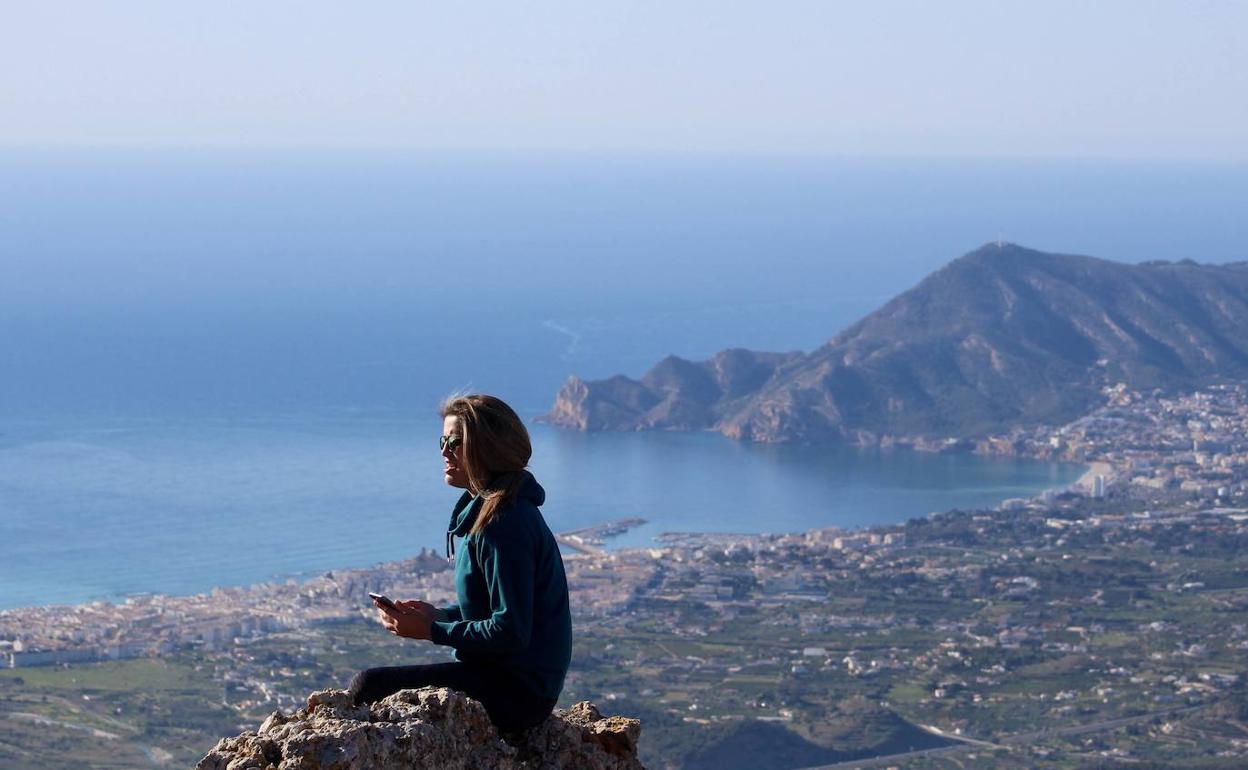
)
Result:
{"points": [[511, 628]]}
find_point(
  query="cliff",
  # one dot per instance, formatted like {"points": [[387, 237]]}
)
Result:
{"points": [[1002, 337], [430, 728]]}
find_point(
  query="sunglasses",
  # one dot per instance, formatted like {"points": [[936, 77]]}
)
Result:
{"points": [[449, 442]]}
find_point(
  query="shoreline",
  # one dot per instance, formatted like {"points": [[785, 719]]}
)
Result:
{"points": [[574, 539], [1095, 468], [871, 508]]}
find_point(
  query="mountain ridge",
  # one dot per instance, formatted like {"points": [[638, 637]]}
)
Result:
{"points": [[1001, 337]]}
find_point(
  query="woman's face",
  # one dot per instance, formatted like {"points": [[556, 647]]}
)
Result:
{"points": [[453, 453]]}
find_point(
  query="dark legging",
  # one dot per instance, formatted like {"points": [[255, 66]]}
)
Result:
{"points": [[510, 704]]}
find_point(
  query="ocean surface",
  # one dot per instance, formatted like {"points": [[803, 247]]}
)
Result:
{"points": [[219, 367], [100, 509]]}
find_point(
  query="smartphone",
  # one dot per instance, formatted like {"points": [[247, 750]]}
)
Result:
{"points": [[384, 601]]}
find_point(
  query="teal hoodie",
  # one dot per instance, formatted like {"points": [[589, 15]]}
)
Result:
{"points": [[513, 594]]}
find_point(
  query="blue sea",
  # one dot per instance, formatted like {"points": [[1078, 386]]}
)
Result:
{"points": [[220, 367], [103, 508]]}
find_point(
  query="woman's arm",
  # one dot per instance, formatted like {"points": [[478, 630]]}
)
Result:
{"points": [[508, 562]]}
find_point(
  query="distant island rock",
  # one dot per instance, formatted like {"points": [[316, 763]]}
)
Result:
{"points": [[1003, 337]]}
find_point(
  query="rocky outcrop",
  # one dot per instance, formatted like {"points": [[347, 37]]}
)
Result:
{"points": [[1000, 338], [430, 728], [675, 395]]}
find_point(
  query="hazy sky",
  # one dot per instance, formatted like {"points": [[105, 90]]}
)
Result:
{"points": [[1111, 78]]}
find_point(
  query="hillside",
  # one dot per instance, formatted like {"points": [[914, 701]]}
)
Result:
{"points": [[1002, 337]]}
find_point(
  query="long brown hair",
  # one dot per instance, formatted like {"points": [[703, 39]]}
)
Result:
{"points": [[496, 450]]}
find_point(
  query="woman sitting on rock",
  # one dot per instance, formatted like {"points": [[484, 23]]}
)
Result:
{"points": [[511, 628]]}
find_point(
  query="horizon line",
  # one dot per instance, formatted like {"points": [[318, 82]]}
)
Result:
{"points": [[617, 153]]}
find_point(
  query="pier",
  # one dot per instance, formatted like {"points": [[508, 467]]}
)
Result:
{"points": [[589, 540]]}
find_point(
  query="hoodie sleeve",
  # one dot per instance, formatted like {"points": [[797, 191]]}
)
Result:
{"points": [[508, 564], [450, 613]]}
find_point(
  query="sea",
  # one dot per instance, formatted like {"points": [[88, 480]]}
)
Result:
{"points": [[222, 367]]}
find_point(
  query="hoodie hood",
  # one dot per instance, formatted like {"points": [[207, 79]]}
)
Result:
{"points": [[464, 514]]}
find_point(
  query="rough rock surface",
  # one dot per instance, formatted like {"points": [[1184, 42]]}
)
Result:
{"points": [[426, 728]]}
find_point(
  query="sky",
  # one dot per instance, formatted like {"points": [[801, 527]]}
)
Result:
{"points": [[991, 78]]}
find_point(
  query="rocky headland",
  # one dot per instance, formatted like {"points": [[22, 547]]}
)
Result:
{"points": [[430, 728], [1002, 338]]}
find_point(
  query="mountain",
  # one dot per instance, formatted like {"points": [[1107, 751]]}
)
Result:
{"points": [[1002, 337]]}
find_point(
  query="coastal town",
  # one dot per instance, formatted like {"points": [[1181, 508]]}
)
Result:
{"points": [[1194, 444], [1083, 624]]}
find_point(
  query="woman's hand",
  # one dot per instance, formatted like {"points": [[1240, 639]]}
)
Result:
{"points": [[424, 607], [412, 621]]}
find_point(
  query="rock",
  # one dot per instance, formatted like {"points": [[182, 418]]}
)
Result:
{"points": [[674, 395], [274, 721], [564, 741], [616, 735], [426, 728]]}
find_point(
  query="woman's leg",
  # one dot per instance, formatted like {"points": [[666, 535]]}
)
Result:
{"points": [[509, 703], [373, 684]]}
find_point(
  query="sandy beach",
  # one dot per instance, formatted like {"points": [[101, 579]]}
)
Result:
{"points": [[1098, 468]]}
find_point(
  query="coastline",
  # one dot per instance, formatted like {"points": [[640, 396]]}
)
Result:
{"points": [[1095, 468], [596, 544], [292, 500]]}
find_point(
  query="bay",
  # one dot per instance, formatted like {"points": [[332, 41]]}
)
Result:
{"points": [[110, 507]]}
